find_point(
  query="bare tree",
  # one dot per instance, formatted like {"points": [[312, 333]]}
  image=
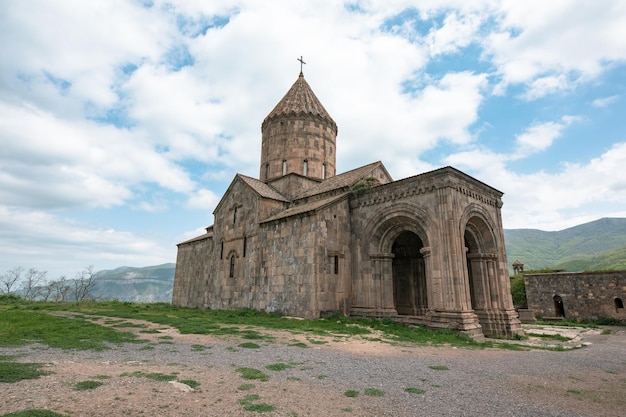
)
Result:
{"points": [[84, 282], [9, 279], [31, 284], [60, 289]]}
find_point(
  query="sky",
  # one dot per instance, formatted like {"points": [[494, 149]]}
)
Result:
{"points": [[122, 122]]}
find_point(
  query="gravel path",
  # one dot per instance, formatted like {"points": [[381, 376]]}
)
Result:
{"points": [[590, 381]]}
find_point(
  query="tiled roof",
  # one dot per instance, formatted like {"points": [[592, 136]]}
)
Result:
{"points": [[300, 100], [303, 208], [346, 179], [263, 189]]}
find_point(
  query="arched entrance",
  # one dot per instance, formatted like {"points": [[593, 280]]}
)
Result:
{"points": [[484, 289], [559, 309], [409, 275]]}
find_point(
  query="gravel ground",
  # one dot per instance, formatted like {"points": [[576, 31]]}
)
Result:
{"points": [[589, 381]]}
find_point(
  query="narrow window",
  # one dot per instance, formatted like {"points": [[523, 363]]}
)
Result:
{"points": [[222, 250], [323, 171], [559, 309], [336, 266], [618, 303], [284, 167], [235, 215], [245, 245], [232, 266], [267, 171], [305, 168]]}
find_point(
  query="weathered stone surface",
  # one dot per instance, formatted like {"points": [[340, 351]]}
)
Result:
{"points": [[305, 242], [583, 295]]}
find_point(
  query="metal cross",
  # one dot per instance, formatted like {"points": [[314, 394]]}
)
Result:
{"points": [[301, 63]]}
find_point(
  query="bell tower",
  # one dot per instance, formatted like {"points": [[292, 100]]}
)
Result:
{"points": [[298, 137]]}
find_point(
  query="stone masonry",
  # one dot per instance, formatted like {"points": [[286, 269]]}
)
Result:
{"points": [[304, 241], [577, 295]]}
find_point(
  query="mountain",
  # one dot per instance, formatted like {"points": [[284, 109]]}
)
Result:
{"points": [[148, 284], [588, 246]]}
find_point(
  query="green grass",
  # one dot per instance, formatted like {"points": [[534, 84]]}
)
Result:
{"points": [[351, 393], [243, 323], [24, 327], [249, 345], [556, 337], [246, 387], [192, 383], [251, 373], [86, 385], [413, 390], [156, 376], [439, 367], [16, 371], [33, 413], [249, 404], [278, 366], [374, 392]]}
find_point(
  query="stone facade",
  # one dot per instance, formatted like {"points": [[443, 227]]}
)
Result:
{"points": [[303, 241], [577, 295]]}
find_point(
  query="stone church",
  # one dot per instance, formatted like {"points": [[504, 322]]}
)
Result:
{"points": [[305, 241]]}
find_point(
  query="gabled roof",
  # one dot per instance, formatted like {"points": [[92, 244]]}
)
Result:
{"points": [[262, 189], [347, 179], [304, 208], [300, 100]]}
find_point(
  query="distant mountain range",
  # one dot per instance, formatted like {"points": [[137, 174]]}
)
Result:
{"points": [[148, 284], [598, 245]]}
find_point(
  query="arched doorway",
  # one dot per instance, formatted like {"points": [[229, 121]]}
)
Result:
{"points": [[409, 275], [559, 309], [481, 259]]}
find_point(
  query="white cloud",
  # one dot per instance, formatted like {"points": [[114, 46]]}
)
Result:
{"points": [[605, 101], [63, 246], [555, 45], [540, 136]]}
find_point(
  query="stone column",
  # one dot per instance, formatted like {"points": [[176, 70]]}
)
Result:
{"points": [[382, 284]]}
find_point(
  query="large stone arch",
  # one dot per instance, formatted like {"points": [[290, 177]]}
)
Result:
{"points": [[396, 286], [487, 284]]}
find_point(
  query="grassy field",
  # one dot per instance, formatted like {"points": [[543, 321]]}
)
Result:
{"points": [[34, 322]]}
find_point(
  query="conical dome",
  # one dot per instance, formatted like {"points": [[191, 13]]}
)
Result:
{"points": [[300, 100], [298, 137]]}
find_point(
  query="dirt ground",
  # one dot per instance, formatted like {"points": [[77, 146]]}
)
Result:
{"points": [[316, 385]]}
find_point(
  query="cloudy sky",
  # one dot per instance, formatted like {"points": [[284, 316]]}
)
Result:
{"points": [[122, 122]]}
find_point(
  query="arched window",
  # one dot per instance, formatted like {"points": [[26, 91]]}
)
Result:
{"points": [[559, 309], [305, 168], [323, 171], [336, 266], [235, 215], [619, 303], [232, 266], [267, 171], [284, 167], [245, 245], [222, 249]]}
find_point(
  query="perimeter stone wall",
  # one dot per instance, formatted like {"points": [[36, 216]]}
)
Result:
{"points": [[584, 295]]}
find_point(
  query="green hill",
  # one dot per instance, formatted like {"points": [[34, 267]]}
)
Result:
{"points": [[596, 245], [149, 284]]}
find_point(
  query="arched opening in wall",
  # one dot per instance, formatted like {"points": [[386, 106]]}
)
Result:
{"points": [[559, 309], [482, 274], [231, 270], [409, 275], [619, 303]]}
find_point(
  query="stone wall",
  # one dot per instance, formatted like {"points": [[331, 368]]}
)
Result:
{"points": [[584, 295], [193, 262]]}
